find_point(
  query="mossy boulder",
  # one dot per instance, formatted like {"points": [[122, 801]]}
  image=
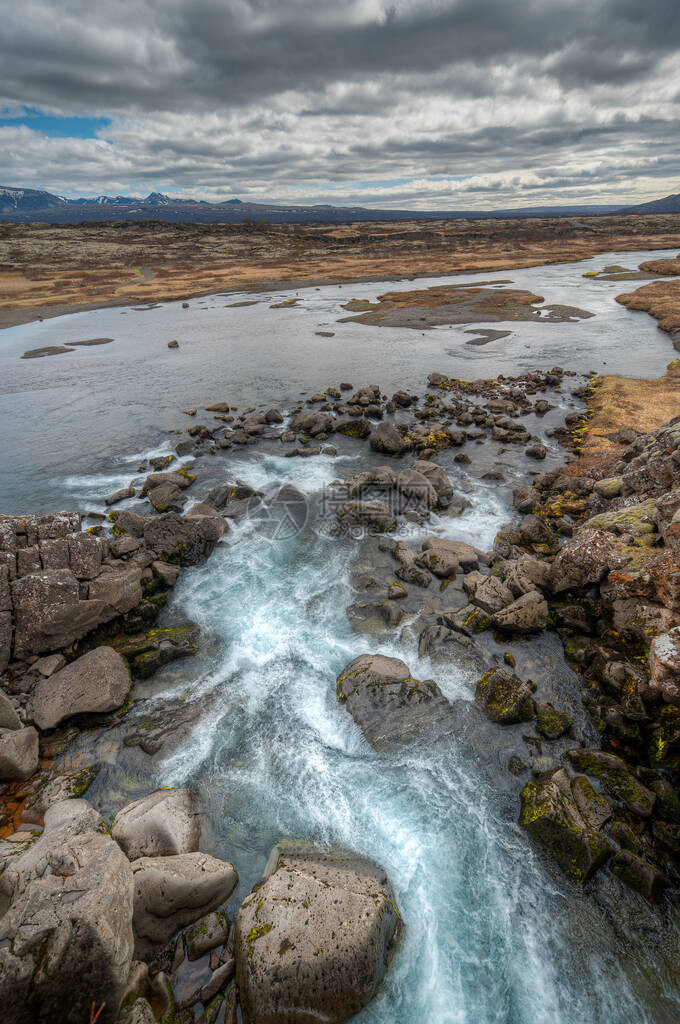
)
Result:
{"points": [[158, 647], [616, 777], [505, 698], [314, 940], [552, 819], [594, 808], [664, 750], [639, 875], [550, 722], [389, 705]]}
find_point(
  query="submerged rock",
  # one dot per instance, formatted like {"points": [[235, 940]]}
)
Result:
{"points": [[389, 705], [314, 940]]}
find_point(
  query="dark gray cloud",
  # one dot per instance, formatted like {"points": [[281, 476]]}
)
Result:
{"points": [[425, 102]]}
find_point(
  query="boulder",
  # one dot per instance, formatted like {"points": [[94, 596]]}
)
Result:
{"points": [[375, 514], [550, 722], [204, 512], [157, 647], [610, 487], [390, 706], [312, 423], [162, 824], [638, 874], [438, 478], [358, 428], [9, 719], [489, 593], [417, 487], [179, 539], [19, 756], [528, 614], [506, 699], [66, 940], [664, 665], [469, 558], [208, 933], [48, 612], [172, 892], [440, 561], [615, 777], [387, 439], [552, 819], [585, 558], [595, 809], [85, 555], [313, 941], [97, 681], [118, 589], [166, 497]]}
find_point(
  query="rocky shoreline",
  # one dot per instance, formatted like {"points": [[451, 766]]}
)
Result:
{"points": [[134, 906]]}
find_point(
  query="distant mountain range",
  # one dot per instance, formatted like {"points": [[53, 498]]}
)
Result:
{"points": [[26, 204]]}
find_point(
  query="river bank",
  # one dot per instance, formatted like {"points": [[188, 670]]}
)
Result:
{"points": [[49, 270]]}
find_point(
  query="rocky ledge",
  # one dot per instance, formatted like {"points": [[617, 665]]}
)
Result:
{"points": [[130, 921]]}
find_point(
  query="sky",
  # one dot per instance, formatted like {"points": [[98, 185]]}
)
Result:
{"points": [[419, 104]]}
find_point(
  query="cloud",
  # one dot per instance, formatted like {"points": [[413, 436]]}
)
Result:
{"points": [[422, 103]]}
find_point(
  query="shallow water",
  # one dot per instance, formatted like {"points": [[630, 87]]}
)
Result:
{"points": [[74, 414], [494, 935]]}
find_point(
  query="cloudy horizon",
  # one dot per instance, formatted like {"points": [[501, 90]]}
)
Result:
{"points": [[421, 104]]}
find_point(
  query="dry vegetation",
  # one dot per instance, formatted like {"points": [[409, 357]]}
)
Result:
{"points": [[46, 270]]}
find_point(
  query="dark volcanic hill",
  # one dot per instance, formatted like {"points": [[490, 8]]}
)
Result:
{"points": [[669, 204], [25, 204]]}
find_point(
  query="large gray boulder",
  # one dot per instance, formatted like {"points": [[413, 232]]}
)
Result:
{"points": [[664, 665], [389, 705], [19, 756], [162, 824], [97, 681], [528, 614], [182, 541], [370, 514], [119, 590], [172, 892], [9, 719], [66, 940], [48, 612], [387, 439], [585, 558], [313, 942], [438, 478]]}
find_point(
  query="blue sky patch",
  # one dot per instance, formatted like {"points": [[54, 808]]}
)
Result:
{"points": [[56, 127]]}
